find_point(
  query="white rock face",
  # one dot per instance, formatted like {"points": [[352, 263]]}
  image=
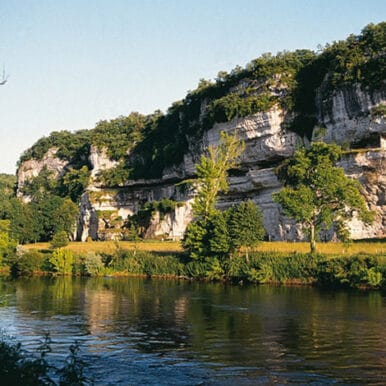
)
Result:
{"points": [[99, 161], [32, 168], [346, 115], [172, 226], [262, 134], [369, 168]]}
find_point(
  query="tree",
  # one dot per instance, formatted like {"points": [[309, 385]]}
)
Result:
{"points": [[65, 217], [318, 194], [7, 245], [61, 261], [75, 182], [212, 172], [59, 240], [246, 227]]}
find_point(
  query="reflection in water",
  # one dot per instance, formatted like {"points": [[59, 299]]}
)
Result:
{"points": [[161, 332]]}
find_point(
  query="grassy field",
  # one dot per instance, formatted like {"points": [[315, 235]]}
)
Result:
{"points": [[174, 247]]}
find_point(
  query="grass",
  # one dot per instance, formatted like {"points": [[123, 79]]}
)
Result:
{"points": [[112, 246], [330, 248], [376, 248]]}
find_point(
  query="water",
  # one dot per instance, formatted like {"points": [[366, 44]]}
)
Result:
{"points": [[135, 331]]}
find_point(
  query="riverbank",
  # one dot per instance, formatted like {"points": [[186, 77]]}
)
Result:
{"points": [[361, 270]]}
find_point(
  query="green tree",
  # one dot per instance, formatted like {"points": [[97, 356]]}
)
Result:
{"points": [[65, 217], [318, 194], [246, 227], [7, 245], [59, 240], [61, 261], [218, 234], [212, 172], [74, 183]]}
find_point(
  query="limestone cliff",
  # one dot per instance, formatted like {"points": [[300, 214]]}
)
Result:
{"points": [[275, 104], [266, 144]]}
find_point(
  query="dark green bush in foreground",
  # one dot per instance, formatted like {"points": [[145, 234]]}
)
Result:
{"points": [[19, 367]]}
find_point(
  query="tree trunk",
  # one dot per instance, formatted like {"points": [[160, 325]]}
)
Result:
{"points": [[312, 238]]}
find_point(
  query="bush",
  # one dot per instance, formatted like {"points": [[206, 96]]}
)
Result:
{"points": [[59, 240], [61, 261], [92, 264], [19, 367], [28, 263], [357, 271]]}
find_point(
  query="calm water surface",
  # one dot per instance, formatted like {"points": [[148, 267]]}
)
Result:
{"points": [[136, 331]]}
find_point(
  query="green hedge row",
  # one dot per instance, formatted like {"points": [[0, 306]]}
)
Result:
{"points": [[356, 271]]}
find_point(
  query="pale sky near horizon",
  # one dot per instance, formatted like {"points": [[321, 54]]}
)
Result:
{"points": [[75, 62]]}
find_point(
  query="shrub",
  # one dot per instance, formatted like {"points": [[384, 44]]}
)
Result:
{"points": [[92, 264], [19, 367], [215, 270], [28, 263], [357, 271], [59, 240], [61, 261]]}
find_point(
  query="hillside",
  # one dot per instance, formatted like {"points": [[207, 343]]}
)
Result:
{"points": [[130, 165]]}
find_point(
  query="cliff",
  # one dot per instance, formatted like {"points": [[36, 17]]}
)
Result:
{"points": [[264, 104]]}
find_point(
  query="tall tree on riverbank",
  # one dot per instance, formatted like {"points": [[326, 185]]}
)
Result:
{"points": [[316, 193], [212, 173]]}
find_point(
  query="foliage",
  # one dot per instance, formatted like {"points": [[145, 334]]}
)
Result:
{"points": [[40, 185], [7, 185], [20, 367], [233, 105], [61, 262], [318, 194], [7, 245], [72, 373], [59, 240], [246, 227], [74, 183], [17, 367], [118, 135], [27, 263], [196, 239], [144, 263], [212, 174], [92, 264], [379, 111], [353, 272], [222, 233]]}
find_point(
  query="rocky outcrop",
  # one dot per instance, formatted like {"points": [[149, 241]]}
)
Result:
{"points": [[344, 117], [30, 169], [369, 168], [99, 161]]}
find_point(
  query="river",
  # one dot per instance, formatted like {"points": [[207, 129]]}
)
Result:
{"points": [[163, 332]]}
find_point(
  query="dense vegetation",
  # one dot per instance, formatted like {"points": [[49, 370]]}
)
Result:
{"points": [[20, 367], [318, 194], [146, 145], [357, 271]]}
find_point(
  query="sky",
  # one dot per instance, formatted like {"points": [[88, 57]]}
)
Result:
{"points": [[72, 63]]}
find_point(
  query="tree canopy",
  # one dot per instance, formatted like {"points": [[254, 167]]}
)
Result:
{"points": [[317, 193]]}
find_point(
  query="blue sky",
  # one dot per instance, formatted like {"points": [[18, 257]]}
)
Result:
{"points": [[75, 62]]}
